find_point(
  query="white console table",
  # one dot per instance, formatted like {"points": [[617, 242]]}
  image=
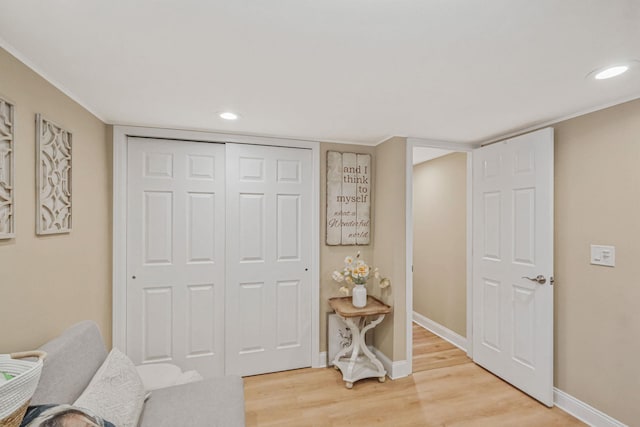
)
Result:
{"points": [[362, 363]]}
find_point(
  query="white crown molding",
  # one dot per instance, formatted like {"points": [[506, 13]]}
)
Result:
{"points": [[555, 121]]}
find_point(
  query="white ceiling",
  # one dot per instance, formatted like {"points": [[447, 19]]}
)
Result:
{"points": [[340, 70]]}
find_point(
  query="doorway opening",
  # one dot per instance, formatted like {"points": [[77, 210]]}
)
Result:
{"points": [[439, 249], [453, 163]]}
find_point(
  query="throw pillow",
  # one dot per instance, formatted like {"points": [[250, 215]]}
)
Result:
{"points": [[61, 416], [116, 392]]}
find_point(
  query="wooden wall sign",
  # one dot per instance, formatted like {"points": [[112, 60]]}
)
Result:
{"points": [[348, 198]]}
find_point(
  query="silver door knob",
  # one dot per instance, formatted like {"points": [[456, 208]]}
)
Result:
{"points": [[539, 278]]}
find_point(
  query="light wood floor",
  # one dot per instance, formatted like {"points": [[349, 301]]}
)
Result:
{"points": [[446, 389]]}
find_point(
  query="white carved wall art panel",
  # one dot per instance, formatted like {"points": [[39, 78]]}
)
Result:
{"points": [[53, 178], [7, 206]]}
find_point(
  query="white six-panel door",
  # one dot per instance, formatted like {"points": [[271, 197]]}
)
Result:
{"points": [[268, 290], [176, 254], [512, 244]]}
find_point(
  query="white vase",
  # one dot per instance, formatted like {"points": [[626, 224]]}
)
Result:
{"points": [[359, 297]]}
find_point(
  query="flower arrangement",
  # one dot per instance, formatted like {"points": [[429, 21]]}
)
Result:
{"points": [[357, 272]]}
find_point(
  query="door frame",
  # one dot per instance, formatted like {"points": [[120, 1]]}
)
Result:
{"points": [[453, 146], [119, 229]]}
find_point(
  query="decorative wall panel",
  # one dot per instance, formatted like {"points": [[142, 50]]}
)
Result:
{"points": [[7, 206], [53, 178]]}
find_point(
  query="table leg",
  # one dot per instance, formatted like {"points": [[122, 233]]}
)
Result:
{"points": [[368, 352], [356, 343]]}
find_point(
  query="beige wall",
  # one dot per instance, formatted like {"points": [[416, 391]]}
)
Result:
{"points": [[390, 244], [597, 319], [387, 248], [332, 257], [48, 283], [440, 241]]}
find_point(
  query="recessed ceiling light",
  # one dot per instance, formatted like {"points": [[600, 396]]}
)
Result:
{"points": [[609, 72], [228, 115]]}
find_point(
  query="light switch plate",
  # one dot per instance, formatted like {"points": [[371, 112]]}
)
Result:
{"points": [[603, 255]]}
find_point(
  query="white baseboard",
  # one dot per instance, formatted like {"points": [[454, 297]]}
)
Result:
{"points": [[444, 333], [321, 361], [395, 370], [582, 411]]}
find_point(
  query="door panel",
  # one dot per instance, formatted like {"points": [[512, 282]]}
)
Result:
{"points": [[269, 254], [288, 321], [513, 239], [201, 233], [176, 254], [288, 233], [158, 324], [201, 319], [158, 224]]}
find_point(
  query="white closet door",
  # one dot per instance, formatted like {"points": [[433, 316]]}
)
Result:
{"points": [[268, 292], [176, 254]]}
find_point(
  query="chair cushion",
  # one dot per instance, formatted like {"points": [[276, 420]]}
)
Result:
{"points": [[214, 402]]}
